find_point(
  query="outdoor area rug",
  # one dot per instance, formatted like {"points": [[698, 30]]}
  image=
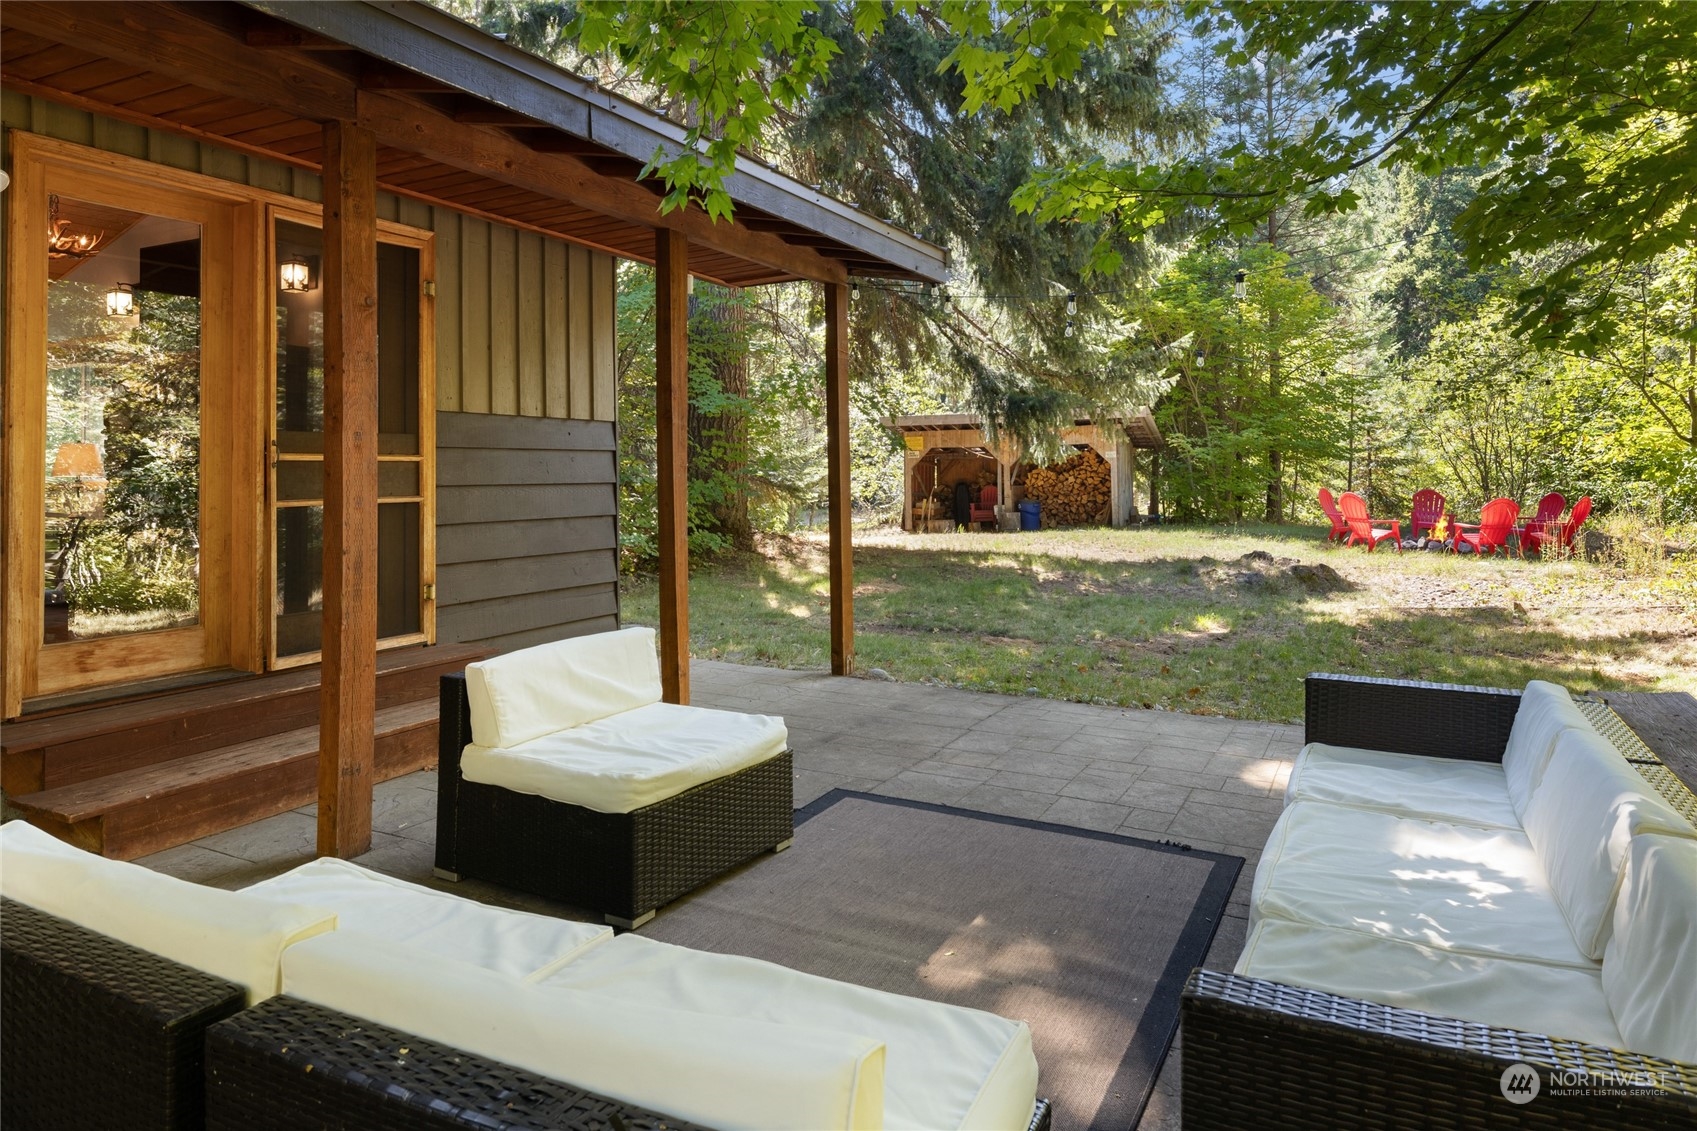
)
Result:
{"points": [[1086, 936]]}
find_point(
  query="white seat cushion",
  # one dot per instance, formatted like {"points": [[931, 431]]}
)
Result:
{"points": [[727, 1072], [1444, 789], [515, 943], [1581, 820], [632, 760], [1455, 887], [1557, 1001], [534, 691], [946, 1066], [1546, 710], [229, 934], [1650, 966]]}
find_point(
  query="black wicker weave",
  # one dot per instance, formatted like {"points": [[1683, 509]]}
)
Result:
{"points": [[96, 1033], [1262, 1054], [622, 865], [1265, 1055], [289, 1065]]}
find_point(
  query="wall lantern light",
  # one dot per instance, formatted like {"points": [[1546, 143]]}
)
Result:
{"points": [[120, 301], [294, 275]]}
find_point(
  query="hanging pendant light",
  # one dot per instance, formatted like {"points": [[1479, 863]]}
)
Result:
{"points": [[62, 241]]}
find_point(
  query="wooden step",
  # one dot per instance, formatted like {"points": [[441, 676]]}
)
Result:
{"points": [[136, 812], [64, 749]]}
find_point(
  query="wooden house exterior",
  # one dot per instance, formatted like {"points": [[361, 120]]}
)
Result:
{"points": [[365, 255]]}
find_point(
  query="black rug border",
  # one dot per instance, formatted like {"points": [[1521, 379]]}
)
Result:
{"points": [[1199, 929]]}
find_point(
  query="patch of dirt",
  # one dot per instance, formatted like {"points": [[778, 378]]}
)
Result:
{"points": [[1261, 572]]}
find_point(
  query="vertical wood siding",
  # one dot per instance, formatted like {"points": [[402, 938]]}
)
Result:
{"points": [[524, 324]]}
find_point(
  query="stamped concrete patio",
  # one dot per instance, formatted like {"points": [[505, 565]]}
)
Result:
{"points": [[1207, 782]]}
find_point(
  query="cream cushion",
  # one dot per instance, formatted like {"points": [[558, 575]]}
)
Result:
{"points": [[631, 760], [1447, 789], [229, 934], [531, 692], [1455, 887], [1558, 1001], [1582, 817], [1650, 966], [514, 943], [725, 1072], [1546, 710], [946, 1066]]}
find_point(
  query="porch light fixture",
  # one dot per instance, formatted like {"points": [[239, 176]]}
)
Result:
{"points": [[62, 242], [294, 275], [120, 301], [1072, 304], [1241, 288]]}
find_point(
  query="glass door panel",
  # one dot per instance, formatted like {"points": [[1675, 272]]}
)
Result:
{"points": [[298, 482], [122, 460]]}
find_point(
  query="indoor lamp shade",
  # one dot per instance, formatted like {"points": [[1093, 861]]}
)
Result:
{"points": [[79, 458]]}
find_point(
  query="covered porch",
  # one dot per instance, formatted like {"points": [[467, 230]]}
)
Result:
{"points": [[411, 177]]}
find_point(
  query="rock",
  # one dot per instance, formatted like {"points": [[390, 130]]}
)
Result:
{"points": [[1257, 556], [880, 673]]}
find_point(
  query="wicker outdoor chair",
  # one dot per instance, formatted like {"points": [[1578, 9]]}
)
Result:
{"points": [[621, 865], [1263, 1054]]}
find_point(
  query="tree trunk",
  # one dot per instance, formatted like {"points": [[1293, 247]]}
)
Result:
{"points": [[718, 440]]}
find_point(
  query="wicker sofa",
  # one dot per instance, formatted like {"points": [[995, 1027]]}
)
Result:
{"points": [[1463, 880], [333, 996], [561, 773]]}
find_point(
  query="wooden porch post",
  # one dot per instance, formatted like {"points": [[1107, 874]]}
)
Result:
{"points": [[671, 368], [837, 478], [348, 693]]}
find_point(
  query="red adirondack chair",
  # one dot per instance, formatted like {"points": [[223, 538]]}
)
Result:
{"points": [[1490, 533], [1361, 528], [1340, 528], [984, 510], [1560, 538], [1547, 520], [1428, 508]]}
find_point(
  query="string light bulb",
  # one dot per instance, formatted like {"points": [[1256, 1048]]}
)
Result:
{"points": [[1241, 288], [1201, 358], [854, 292], [1069, 329], [946, 301], [1072, 304]]}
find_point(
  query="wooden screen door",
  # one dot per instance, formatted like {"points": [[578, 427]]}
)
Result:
{"points": [[122, 408]]}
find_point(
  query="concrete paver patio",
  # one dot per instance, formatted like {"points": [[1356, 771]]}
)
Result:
{"points": [[1208, 782]]}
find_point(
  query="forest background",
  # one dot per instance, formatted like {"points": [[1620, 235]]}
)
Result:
{"points": [[1507, 314]]}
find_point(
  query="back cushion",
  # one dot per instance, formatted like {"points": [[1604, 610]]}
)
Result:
{"points": [[1650, 966], [237, 937], [536, 691], [1545, 711], [1581, 821], [727, 1072]]}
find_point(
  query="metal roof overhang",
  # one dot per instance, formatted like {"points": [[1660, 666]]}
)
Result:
{"points": [[461, 118]]}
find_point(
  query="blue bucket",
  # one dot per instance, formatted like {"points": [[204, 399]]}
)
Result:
{"points": [[1030, 515]]}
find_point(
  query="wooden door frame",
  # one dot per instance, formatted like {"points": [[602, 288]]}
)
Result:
{"points": [[423, 241], [229, 356]]}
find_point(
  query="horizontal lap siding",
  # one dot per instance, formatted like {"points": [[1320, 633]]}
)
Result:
{"points": [[527, 529]]}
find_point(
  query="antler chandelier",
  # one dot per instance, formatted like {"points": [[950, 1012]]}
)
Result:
{"points": [[62, 242]]}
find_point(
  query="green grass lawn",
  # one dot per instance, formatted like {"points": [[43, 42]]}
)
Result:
{"points": [[1172, 617]]}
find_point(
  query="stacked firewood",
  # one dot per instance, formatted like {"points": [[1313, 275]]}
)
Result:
{"points": [[1074, 492]]}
